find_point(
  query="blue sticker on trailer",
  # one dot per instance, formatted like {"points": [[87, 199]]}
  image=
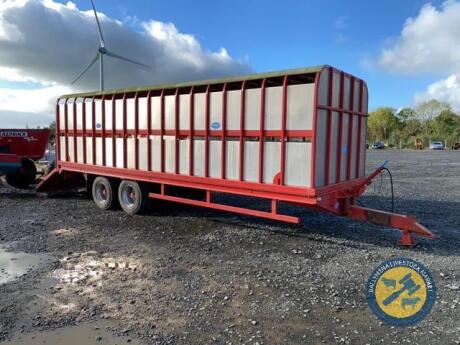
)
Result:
{"points": [[344, 150], [98, 125], [215, 125]]}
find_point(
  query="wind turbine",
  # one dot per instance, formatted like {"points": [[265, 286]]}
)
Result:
{"points": [[100, 55]]}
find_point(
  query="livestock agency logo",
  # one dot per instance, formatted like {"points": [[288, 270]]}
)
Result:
{"points": [[401, 292]]}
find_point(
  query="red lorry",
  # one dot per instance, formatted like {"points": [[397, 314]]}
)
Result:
{"points": [[19, 150]]}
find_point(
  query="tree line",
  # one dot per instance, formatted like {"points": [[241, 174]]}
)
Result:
{"points": [[429, 121]]}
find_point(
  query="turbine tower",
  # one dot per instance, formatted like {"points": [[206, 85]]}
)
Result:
{"points": [[101, 51]]}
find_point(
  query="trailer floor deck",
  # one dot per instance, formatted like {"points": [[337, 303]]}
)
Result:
{"points": [[186, 275]]}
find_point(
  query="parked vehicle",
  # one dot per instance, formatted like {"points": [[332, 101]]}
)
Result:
{"points": [[437, 145], [19, 150], [295, 136], [456, 146], [378, 146]]}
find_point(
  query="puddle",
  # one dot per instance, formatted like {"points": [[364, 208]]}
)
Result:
{"points": [[87, 334], [15, 264]]}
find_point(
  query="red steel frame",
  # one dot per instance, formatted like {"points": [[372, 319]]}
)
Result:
{"points": [[335, 197]]}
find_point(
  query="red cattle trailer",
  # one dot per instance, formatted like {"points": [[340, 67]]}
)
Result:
{"points": [[295, 136]]}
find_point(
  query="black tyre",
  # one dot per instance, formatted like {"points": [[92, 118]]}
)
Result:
{"points": [[103, 192], [23, 177], [133, 197]]}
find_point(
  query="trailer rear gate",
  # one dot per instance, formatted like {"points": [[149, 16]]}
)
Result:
{"points": [[297, 136]]}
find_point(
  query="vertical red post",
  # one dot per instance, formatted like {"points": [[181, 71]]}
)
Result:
{"points": [[74, 132], [224, 131], [93, 128], [58, 131], [114, 133], [136, 131], [66, 130], [206, 132], [350, 127], [242, 129], [103, 132], [125, 134], [192, 119], [149, 131], [313, 140], [162, 129], [261, 132], [83, 121], [327, 160], [339, 139], [360, 110], [177, 128], [283, 130]]}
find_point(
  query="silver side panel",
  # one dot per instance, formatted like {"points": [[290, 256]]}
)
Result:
{"points": [[354, 147], [170, 155], [252, 109], [80, 150], [156, 112], [362, 164], [320, 150], [198, 157], [143, 121], [251, 161], [98, 151], [346, 92], [344, 150], [170, 112], [232, 160], [89, 151], [200, 111], [233, 109], [215, 154], [336, 89], [215, 122], [108, 152], [156, 153], [184, 112], [184, 157], [323, 87], [300, 101], [130, 145], [273, 107], [298, 164], [333, 147], [272, 163], [63, 153]]}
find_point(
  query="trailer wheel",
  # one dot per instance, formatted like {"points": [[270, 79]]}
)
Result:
{"points": [[133, 197], [103, 193]]}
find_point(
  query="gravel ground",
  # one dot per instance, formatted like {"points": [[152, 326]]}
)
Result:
{"points": [[184, 275]]}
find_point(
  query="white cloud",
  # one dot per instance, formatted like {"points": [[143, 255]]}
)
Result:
{"points": [[33, 100], [341, 26], [446, 90], [50, 43], [428, 43]]}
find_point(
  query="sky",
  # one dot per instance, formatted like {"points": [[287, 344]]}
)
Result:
{"points": [[407, 51]]}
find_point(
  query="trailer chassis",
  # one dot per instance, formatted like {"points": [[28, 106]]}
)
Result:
{"points": [[339, 199]]}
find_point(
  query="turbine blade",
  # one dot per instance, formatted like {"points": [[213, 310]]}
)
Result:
{"points": [[116, 56], [101, 38], [87, 68]]}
